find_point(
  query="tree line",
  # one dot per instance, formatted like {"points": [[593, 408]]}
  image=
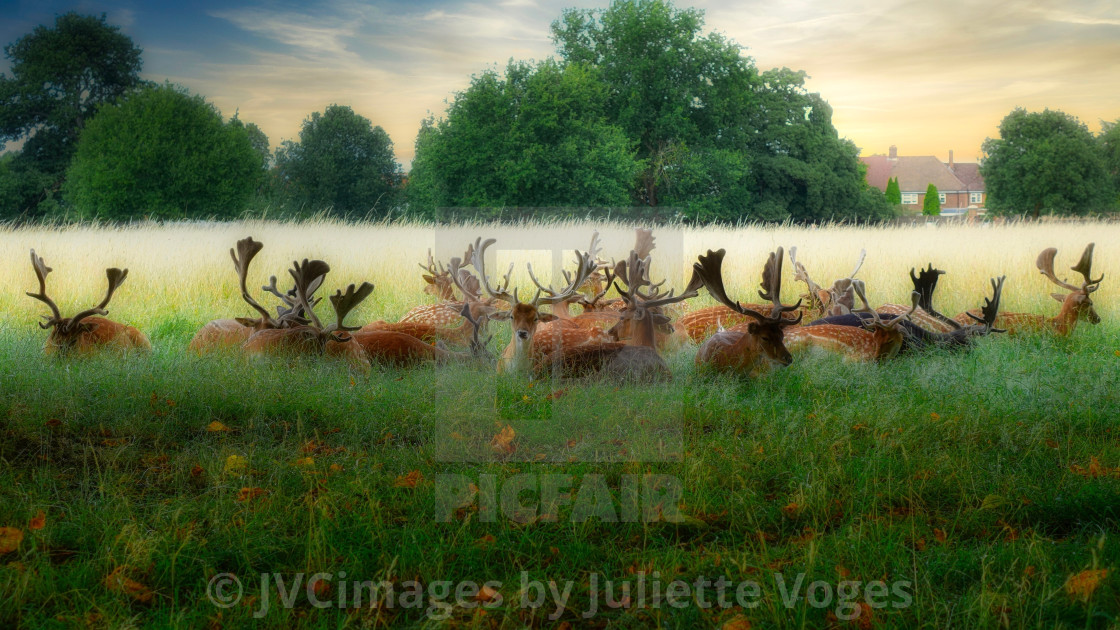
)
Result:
{"points": [[642, 115]]}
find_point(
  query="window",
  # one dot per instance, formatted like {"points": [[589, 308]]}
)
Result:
{"points": [[941, 197], [910, 199], [977, 197]]}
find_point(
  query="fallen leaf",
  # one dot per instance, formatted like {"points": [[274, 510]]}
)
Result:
{"points": [[934, 416], [485, 541], [738, 622], [503, 441], [486, 594], [791, 509], [1084, 584], [39, 521], [118, 582], [409, 480], [10, 538], [217, 427], [248, 494], [235, 464], [939, 534], [305, 462]]}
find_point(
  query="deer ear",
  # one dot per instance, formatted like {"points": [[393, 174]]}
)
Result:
{"points": [[824, 296], [545, 317], [248, 322], [499, 316], [429, 279], [1058, 296], [753, 328]]}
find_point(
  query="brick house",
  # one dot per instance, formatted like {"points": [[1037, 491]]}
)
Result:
{"points": [[959, 185]]}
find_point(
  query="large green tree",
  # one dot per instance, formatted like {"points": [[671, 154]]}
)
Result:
{"points": [[716, 137], [342, 163], [59, 76], [893, 192], [1045, 163], [535, 137], [159, 152]]}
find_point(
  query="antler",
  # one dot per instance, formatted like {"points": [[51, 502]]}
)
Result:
{"points": [[308, 275], [772, 286], [478, 260], [431, 266], [116, 278], [643, 242], [245, 251], [294, 312], [860, 291], [709, 270], [585, 266], [477, 346], [800, 274], [924, 283], [1045, 264], [343, 303], [991, 307], [41, 271]]}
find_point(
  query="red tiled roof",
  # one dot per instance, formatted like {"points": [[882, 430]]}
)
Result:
{"points": [[969, 174], [916, 173], [878, 170]]}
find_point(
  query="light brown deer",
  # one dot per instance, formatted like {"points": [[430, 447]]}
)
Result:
{"points": [[395, 348], [441, 283], [85, 333], [525, 317], [233, 332], [754, 347], [314, 338], [875, 341], [1077, 305]]}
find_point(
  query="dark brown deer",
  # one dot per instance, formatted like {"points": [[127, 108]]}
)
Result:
{"points": [[1077, 304], [87, 332], [754, 347]]}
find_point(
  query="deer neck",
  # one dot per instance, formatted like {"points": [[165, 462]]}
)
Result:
{"points": [[643, 333], [1066, 320]]}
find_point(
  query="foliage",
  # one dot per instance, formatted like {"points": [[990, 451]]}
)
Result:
{"points": [[931, 205], [1109, 140], [160, 153], [1045, 163], [893, 192], [533, 138], [341, 162], [59, 76]]}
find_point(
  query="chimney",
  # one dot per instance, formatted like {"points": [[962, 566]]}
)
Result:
{"points": [[950, 159], [894, 153]]}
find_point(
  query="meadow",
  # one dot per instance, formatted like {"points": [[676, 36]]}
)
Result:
{"points": [[979, 488]]}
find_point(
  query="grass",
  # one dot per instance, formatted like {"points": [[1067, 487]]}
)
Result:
{"points": [[982, 482]]}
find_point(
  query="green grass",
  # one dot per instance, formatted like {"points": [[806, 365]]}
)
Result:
{"points": [[956, 472]]}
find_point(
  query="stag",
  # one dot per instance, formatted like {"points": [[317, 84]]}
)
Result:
{"points": [[1077, 304], [925, 282], [873, 340], [88, 331], [233, 332], [396, 348], [751, 348], [313, 338]]}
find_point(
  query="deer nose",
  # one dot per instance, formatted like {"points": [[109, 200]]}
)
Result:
{"points": [[523, 334]]}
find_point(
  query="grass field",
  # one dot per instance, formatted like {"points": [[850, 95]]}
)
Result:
{"points": [[977, 489]]}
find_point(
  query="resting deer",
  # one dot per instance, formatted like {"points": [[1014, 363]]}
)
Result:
{"points": [[751, 348], [396, 348], [233, 332], [644, 314], [85, 333], [916, 337], [925, 282], [436, 326], [874, 340], [313, 338], [525, 317], [1076, 305], [445, 313]]}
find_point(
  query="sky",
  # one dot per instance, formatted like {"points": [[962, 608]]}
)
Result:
{"points": [[928, 77]]}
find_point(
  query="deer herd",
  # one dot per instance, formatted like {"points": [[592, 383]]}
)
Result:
{"points": [[621, 338]]}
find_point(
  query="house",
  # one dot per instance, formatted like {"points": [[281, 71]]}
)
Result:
{"points": [[959, 185]]}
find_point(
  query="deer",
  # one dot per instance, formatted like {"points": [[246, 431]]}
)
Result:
{"points": [[399, 349], [917, 337], [1077, 304], [313, 338], [89, 331], [754, 347], [925, 282], [233, 332], [873, 340], [637, 359], [526, 317], [445, 313]]}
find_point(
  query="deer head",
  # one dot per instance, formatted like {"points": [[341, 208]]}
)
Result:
{"points": [[888, 336], [642, 318], [766, 329], [438, 280], [1077, 301], [68, 330]]}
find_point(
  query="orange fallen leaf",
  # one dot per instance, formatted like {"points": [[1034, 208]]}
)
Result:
{"points": [[10, 538], [503, 441], [53, 422], [557, 394], [248, 494], [738, 622], [485, 541], [934, 416], [843, 572], [1084, 584], [196, 471], [118, 582], [791, 509], [336, 468], [39, 521], [409, 480], [216, 427], [305, 462], [486, 594], [939, 534]]}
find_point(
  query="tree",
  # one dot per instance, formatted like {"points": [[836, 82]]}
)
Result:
{"points": [[533, 138], [1109, 140], [59, 76], [893, 192], [716, 137], [159, 152], [1045, 162], [341, 162], [931, 205]]}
